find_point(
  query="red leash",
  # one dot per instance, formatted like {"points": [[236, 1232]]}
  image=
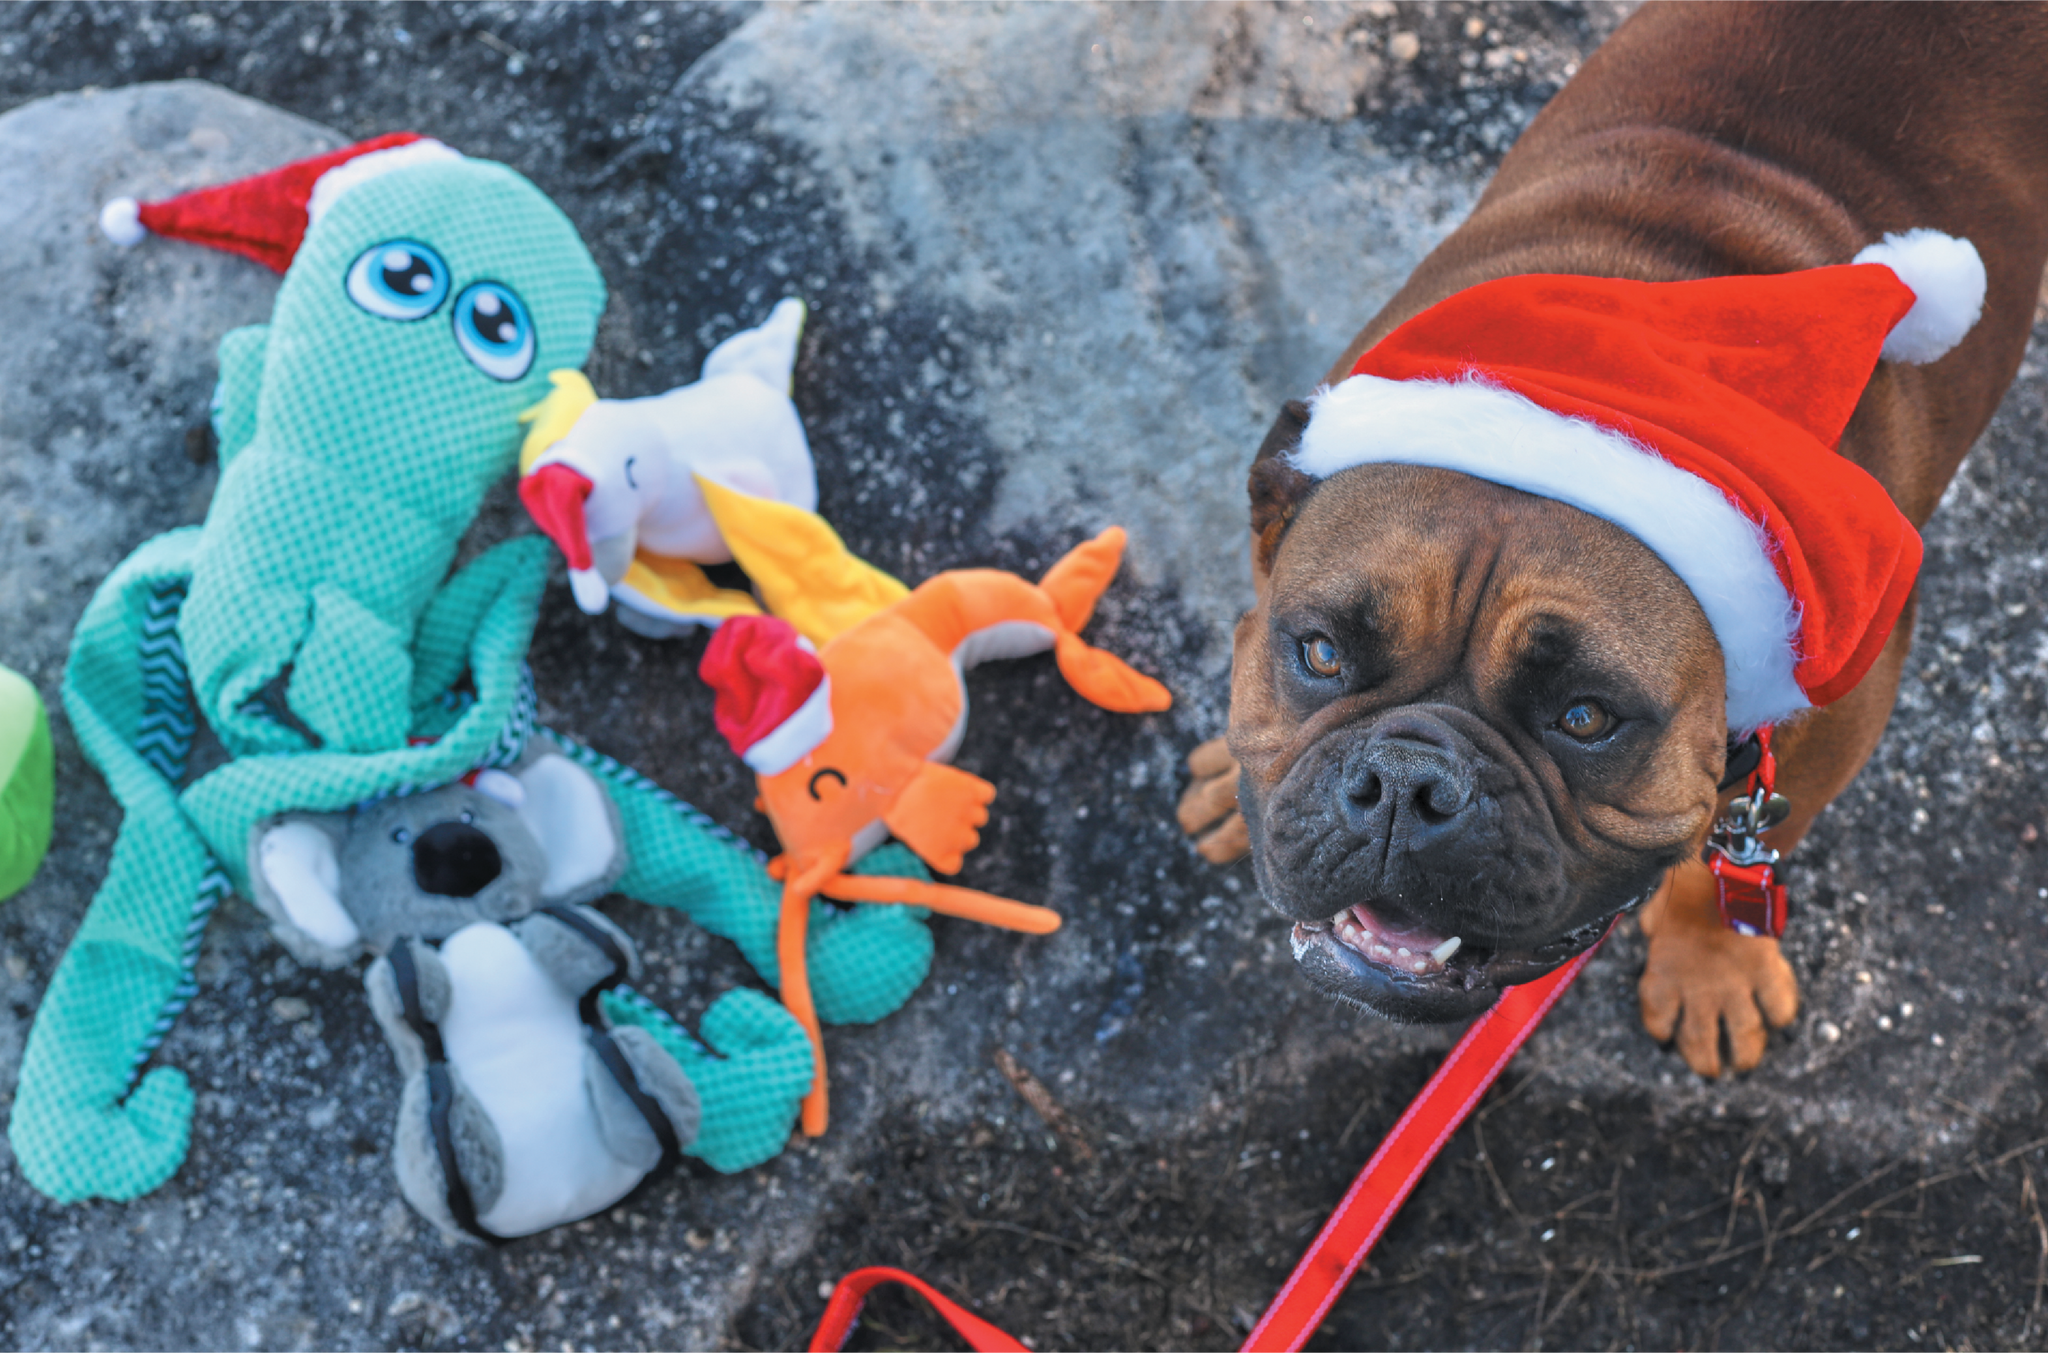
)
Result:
{"points": [[852, 1293], [1375, 1196]]}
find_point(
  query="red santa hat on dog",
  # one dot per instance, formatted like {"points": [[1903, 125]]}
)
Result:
{"points": [[774, 701], [265, 216], [1702, 418]]}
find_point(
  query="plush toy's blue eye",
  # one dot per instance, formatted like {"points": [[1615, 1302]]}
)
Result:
{"points": [[398, 279], [493, 330]]}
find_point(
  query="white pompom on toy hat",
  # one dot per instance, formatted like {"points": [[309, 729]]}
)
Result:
{"points": [[121, 222]]}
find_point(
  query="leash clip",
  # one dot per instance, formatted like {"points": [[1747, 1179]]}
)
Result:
{"points": [[1746, 887]]}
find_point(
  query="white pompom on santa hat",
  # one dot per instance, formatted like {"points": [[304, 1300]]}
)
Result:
{"points": [[774, 700], [1702, 417], [265, 217]]}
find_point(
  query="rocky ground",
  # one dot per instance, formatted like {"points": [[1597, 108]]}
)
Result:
{"points": [[1064, 262]]}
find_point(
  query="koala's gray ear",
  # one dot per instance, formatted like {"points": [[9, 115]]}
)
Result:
{"points": [[572, 817], [295, 874]]}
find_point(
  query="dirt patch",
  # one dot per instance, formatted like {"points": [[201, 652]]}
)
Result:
{"points": [[1563, 1226]]}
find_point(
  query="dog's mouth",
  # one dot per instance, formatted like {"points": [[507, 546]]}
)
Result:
{"points": [[1416, 975]]}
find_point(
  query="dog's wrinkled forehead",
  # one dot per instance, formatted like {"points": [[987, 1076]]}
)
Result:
{"points": [[1424, 571]]}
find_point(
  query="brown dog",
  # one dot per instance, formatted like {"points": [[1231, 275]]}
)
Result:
{"points": [[1469, 711]]}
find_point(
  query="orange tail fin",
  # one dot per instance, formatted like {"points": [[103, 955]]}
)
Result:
{"points": [[1082, 575], [1107, 680]]}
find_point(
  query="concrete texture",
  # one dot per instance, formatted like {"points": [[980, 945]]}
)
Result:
{"points": [[1064, 263]]}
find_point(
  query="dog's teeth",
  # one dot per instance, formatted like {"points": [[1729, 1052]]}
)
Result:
{"points": [[1405, 954], [1442, 953], [1421, 965], [1382, 951]]}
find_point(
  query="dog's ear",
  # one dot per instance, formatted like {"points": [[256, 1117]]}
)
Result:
{"points": [[1277, 488]]}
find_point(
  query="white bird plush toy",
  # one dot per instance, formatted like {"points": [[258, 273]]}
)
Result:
{"points": [[613, 481]]}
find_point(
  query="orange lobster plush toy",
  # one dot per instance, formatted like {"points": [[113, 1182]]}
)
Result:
{"points": [[850, 740]]}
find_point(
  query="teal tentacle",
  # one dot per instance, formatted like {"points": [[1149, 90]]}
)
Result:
{"points": [[750, 1080], [82, 1125], [449, 627], [863, 962], [490, 613], [680, 858]]}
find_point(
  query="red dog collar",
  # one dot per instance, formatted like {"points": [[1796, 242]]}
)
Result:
{"points": [[1746, 887]]}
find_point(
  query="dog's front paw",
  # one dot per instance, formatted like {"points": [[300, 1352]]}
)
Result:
{"points": [[1208, 811], [1702, 977]]}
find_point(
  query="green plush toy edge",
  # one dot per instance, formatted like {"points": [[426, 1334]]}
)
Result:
{"points": [[27, 782]]}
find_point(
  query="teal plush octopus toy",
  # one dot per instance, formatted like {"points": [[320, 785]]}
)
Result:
{"points": [[318, 624]]}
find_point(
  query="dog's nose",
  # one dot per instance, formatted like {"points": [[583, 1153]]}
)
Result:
{"points": [[1405, 791], [454, 859]]}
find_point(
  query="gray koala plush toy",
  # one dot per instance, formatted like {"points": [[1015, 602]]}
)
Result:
{"points": [[521, 1110]]}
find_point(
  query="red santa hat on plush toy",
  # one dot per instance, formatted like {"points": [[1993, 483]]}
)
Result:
{"points": [[265, 216], [1701, 417], [774, 701]]}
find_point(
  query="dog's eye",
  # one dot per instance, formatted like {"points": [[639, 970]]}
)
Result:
{"points": [[1321, 656], [1585, 720]]}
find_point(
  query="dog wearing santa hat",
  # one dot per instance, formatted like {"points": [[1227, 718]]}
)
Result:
{"points": [[1586, 580]]}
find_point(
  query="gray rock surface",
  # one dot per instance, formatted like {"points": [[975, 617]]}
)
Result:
{"points": [[1064, 262]]}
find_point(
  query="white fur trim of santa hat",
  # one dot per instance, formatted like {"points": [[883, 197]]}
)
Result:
{"points": [[792, 740], [1948, 282], [1481, 430], [329, 187]]}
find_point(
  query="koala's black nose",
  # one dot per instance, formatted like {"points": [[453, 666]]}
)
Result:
{"points": [[1405, 790], [454, 859]]}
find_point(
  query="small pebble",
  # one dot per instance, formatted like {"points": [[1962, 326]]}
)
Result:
{"points": [[824, 1290], [290, 1009], [1404, 46], [1829, 1031]]}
